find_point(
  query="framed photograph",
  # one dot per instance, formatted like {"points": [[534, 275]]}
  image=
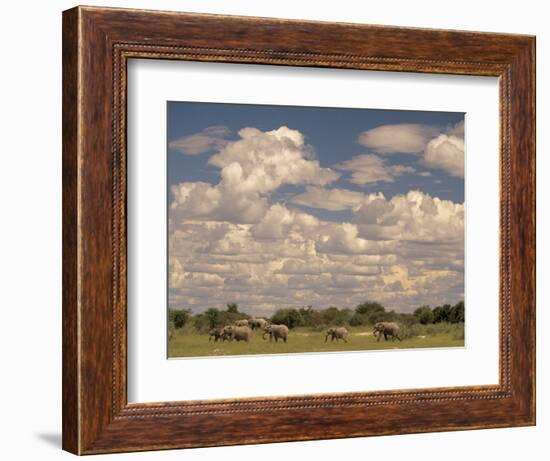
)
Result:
{"points": [[281, 230]]}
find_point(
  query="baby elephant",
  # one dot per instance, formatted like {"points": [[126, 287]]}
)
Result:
{"points": [[387, 329], [237, 333], [276, 331], [336, 334], [217, 334]]}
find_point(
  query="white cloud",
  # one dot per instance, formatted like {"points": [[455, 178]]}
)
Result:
{"points": [[457, 130], [404, 138], [412, 217], [229, 242], [263, 161], [329, 199], [251, 168], [370, 168], [208, 139], [446, 152]]}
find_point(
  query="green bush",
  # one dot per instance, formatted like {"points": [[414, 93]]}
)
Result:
{"points": [[411, 331], [424, 315], [457, 313], [442, 313], [369, 308], [292, 318], [358, 320], [179, 318]]}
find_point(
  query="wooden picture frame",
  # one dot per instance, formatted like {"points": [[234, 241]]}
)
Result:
{"points": [[97, 43]]}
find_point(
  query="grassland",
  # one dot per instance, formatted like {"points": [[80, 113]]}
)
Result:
{"points": [[190, 344]]}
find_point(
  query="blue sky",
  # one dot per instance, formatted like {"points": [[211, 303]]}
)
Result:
{"points": [[318, 125], [367, 167]]}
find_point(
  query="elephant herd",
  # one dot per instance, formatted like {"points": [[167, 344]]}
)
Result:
{"points": [[241, 330]]}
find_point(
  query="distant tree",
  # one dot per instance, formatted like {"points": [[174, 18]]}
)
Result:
{"points": [[406, 319], [442, 313], [232, 308], [180, 318], [358, 320], [214, 317], [381, 317], [292, 318], [334, 316], [370, 307], [311, 317], [457, 314], [424, 315]]}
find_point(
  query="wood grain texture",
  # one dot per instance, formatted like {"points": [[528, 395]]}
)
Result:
{"points": [[97, 43], [70, 383]]}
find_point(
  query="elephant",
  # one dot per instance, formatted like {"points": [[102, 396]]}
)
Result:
{"points": [[257, 323], [336, 334], [241, 323], [238, 333], [216, 333], [276, 331], [388, 329]]}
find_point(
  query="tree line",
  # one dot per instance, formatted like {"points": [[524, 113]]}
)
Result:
{"points": [[365, 314]]}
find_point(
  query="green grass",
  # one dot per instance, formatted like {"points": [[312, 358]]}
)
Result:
{"points": [[186, 344]]}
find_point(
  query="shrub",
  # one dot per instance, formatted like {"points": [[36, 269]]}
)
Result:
{"points": [[179, 318], [289, 317], [457, 313], [411, 331], [369, 308], [232, 308], [424, 315], [335, 316], [442, 313], [358, 320], [312, 318]]}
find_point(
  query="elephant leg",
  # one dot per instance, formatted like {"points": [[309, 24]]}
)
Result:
{"points": [[385, 336]]}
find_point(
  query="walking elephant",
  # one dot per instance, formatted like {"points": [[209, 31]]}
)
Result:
{"points": [[216, 333], [238, 333], [258, 323], [386, 329], [337, 334], [276, 331]]}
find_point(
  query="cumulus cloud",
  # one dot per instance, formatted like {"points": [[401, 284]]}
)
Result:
{"points": [[370, 168], [207, 140], [329, 199], [415, 216], [404, 138], [250, 168], [263, 161], [457, 130], [446, 152], [231, 241]]}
